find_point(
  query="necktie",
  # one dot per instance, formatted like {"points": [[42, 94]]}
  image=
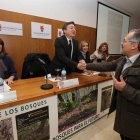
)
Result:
{"points": [[71, 48], [119, 71]]}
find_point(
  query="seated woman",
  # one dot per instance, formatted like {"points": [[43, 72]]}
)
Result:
{"points": [[84, 52], [7, 70], [101, 54]]}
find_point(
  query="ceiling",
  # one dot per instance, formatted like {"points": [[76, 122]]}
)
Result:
{"points": [[132, 7]]}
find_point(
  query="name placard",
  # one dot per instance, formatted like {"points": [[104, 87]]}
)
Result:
{"points": [[8, 96], [68, 83]]}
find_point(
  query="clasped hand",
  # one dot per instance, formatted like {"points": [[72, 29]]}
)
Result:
{"points": [[119, 85], [81, 65]]}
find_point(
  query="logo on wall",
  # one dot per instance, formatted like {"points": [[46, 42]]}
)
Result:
{"points": [[42, 28], [11, 28]]}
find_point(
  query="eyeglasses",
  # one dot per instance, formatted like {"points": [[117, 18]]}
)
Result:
{"points": [[129, 40]]}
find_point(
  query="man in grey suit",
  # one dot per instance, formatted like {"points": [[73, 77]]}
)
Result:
{"points": [[126, 95], [66, 50]]}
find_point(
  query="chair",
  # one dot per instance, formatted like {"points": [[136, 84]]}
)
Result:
{"points": [[33, 67]]}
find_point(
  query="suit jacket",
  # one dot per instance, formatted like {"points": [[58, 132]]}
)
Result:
{"points": [[10, 68], [87, 58], [62, 58], [127, 102]]}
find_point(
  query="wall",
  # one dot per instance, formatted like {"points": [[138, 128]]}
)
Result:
{"points": [[83, 12], [63, 10], [135, 23]]}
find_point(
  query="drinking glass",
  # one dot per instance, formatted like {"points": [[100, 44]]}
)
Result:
{"points": [[58, 78]]}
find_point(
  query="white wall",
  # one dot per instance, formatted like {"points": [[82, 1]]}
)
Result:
{"points": [[135, 22], [83, 12]]}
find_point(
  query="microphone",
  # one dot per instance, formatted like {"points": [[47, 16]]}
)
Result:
{"points": [[44, 86], [41, 61]]}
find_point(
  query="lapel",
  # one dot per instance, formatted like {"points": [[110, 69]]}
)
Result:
{"points": [[120, 67], [135, 64], [137, 61], [65, 40], [66, 46]]}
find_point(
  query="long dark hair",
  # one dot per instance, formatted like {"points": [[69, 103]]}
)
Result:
{"points": [[3, 49], [100, 47]]}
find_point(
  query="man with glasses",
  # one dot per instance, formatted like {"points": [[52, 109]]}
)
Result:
{"points": [[126, 94]]}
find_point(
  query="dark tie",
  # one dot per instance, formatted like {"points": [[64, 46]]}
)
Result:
{"points": [[70, 44], [71, 49], [120, 68]]}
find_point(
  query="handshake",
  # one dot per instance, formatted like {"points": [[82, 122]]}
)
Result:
{"points": [[82, 65]]}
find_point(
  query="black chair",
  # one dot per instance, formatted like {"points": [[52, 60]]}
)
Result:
{"points": [[35, 65]]}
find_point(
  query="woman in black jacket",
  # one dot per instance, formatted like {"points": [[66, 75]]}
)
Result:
{"points": [[84, 51]]}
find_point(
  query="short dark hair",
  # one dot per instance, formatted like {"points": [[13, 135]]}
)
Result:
{"points": [[66, 24]]}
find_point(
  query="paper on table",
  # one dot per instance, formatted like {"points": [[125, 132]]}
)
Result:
{"points": [[7, 96], [90, 74], [68, 83], [6, 87]]}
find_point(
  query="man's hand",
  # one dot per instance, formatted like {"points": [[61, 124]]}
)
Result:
{"points": [[119, 85], [81, 65]]}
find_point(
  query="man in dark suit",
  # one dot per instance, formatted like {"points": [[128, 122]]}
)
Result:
{"points": [[66, 50], [126, 95]]}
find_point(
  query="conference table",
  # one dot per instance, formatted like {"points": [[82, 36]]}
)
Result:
{"points": [[56, 113]]}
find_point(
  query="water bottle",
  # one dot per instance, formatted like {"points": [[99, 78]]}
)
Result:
{"points": [[1, 85], [63, 74]]}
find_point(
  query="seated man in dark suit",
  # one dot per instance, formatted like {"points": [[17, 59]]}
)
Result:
{"points": [[66, 51]]}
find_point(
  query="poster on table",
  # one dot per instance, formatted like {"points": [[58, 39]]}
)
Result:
{"points": [[11, 28], [33, 124], [81, 107], [33, 120], [76, 109], [105, 90], [41, 30], [6, 129], [106, 97]]}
